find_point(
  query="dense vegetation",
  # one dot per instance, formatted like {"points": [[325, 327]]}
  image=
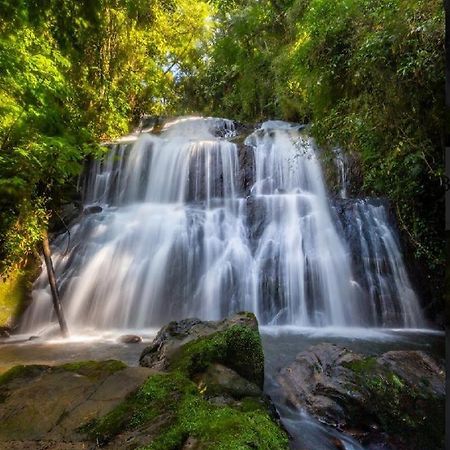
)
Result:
{"points": [[73, 73], [368, 75]]}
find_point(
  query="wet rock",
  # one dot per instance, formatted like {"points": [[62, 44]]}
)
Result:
{"points": [[66, 215], [129, 339], [193, 345], [219, 379], [33, 338], [399, 394], [94, 209], [247, 174], [201, 401], [5, 332]]}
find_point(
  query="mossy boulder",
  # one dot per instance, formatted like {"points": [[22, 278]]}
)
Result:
{"points": [[192, 345], [207, 396], [170, 411], [396, 399]]}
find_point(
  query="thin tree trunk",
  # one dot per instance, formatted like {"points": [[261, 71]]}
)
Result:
{"points": [[54, 286]]}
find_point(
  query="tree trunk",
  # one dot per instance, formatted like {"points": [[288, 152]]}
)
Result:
{"points": [[54, 286]]}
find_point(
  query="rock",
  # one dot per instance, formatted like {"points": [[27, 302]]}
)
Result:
{"points": [[5, 332], [64, 217], [33, 338], [54, 401], [191, 444], [192, 345], [208, 396], [94, 209], [129, 339], [398, 394], [219, 379], [69, 212], [247, 168]]}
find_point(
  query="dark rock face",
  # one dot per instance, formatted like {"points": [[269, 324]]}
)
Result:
{"points": [[5, 332], [247, 168], [67, 214], [397, 398]]}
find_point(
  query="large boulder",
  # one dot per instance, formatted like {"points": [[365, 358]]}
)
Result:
{"points": [[397, 398], [206, 395], [193, 345]]}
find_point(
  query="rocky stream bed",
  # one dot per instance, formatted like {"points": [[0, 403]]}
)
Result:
{"points": [[201, 385]]}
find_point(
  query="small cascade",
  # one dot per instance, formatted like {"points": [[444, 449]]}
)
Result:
{"points": [[378, 263], [302, 267], [341, 163], [193, 224]]}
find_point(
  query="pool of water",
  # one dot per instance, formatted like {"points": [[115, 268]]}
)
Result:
{"points": [[281, 345]]}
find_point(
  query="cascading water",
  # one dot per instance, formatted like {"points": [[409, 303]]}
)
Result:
{"points": [[193, 224]]}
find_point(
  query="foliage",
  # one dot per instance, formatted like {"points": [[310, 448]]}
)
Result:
{"points": [[370, 76], [73, 73], [235, 80]]}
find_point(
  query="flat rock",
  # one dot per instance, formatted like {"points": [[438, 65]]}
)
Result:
{"points": [[43, 404]]}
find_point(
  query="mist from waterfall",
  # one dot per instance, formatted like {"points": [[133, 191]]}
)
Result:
{"points": [[195, 224]]}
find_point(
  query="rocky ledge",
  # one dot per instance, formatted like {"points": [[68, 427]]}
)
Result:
{"points": [[201, 389], [393, 401]]}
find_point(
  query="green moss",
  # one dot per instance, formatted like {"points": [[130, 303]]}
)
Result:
{"points": [[15, 292], [177, 401], [220, 428], [22, 372], [400, 409], [238, 347], [93, 369], [361, 366], [158, 394]]}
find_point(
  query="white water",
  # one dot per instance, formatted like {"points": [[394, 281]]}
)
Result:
{"points": [[179, 236]]}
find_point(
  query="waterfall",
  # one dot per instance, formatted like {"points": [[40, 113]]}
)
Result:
{"points": [[193, 223]]}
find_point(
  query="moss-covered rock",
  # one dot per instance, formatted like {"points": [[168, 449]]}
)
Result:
{"points": [[170, 410], [405, 396], [15, 293], [40, 402], [398, 397], [192, 345]]}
